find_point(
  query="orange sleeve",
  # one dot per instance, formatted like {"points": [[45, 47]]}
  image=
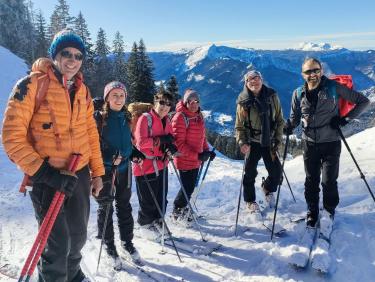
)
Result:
{"points": [[96, 161], [17, 117]]}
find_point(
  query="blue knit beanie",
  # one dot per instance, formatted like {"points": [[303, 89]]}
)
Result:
{"points": [[63, 39]]}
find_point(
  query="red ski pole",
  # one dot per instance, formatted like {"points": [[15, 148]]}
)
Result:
{"points": [[46, 227]]}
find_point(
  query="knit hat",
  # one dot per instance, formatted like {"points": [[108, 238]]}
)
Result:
{"points": [[190, 94], [63, 39], [114, 85], [252, 74]]}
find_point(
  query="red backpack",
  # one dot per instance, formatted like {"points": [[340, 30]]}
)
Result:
{"points": [[344, 106]]}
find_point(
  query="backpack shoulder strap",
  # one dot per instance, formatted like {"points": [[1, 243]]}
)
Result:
{"points": [[331, 85], [41, 90], [186, 119], [299, 92], [149, 123]]}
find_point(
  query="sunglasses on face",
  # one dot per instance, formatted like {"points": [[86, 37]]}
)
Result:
{"points": [[309, 72], [68, 55], [164, 103], [253, 78], [193, 101]]}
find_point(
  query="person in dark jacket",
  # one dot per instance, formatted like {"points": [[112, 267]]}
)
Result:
{"points": [[190, 137], [259, 127], [316, 104], [153, 137], [117, 150]]}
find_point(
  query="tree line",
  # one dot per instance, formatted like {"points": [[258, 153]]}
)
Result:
{"points": [[26, 33]]}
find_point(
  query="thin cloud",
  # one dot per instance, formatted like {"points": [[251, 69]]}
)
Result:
{"points": [[351, 40]]}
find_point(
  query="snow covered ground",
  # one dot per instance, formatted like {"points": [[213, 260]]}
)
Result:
{"points": [[250, 256]]}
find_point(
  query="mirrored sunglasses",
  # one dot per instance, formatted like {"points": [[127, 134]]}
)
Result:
{"points": [[69, 55], [193, 101], [165, 103], [308, 72]]}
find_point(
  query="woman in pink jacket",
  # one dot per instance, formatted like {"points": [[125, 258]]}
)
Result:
{"points": [[190, 138], [153, 137]]}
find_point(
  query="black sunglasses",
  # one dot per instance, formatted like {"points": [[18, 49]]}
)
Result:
{"points": [[165, 103], [308, 72], [68, 55]]}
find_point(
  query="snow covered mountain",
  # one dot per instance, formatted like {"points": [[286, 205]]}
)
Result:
{"points": [[12, 68], [217, 72]]}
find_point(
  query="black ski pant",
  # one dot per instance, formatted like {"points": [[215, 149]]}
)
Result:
{"points": [[148, 212], [188, 179], [321, 158], [60, 260], [123, 208], [272, 165]]}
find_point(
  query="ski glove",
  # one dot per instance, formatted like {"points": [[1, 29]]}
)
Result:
{"points": [[60, 180], [105, 197], [288, 128], [204, 156], [337, 121], [212, 155], [137, 155], [171, 148], [166, 139]]}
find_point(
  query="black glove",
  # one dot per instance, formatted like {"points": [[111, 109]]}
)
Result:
{"points": [[288, 128], [166, 139], [136, 154], [171, 148], [337, 121], [60, 180], [212, 155], [105, 196], [204, 156]]}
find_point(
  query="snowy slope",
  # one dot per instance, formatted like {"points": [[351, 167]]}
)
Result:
{"points": [[248, 257]]}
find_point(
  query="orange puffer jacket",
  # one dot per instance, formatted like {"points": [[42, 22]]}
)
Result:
{"points": [[29, 137]]}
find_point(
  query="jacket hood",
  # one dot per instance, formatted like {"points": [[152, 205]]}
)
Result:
{"points": [[180, 107], [246, 95], [42, 65]]}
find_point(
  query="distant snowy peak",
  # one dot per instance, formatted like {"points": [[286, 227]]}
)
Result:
{"points": [[196, 55], [215, 52], [310, 46]]}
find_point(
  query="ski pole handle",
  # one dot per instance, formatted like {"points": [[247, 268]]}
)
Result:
{"points": [[58, 199]]}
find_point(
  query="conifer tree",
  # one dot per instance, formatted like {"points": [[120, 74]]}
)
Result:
{"points": [[88, 66], [102, 64], [132, 71], [172, 87], [146, 79], [60, 18], [41, 47], [119, 64], [161, 88], [16, 29]]}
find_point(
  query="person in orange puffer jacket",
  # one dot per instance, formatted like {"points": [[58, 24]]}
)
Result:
{"points": [[41, 139], [190, 137]]}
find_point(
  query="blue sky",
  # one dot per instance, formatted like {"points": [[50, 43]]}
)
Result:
{"points": [[264, 24]]}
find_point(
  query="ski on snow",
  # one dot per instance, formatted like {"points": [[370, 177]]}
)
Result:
{"points": [[314, 246]]}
